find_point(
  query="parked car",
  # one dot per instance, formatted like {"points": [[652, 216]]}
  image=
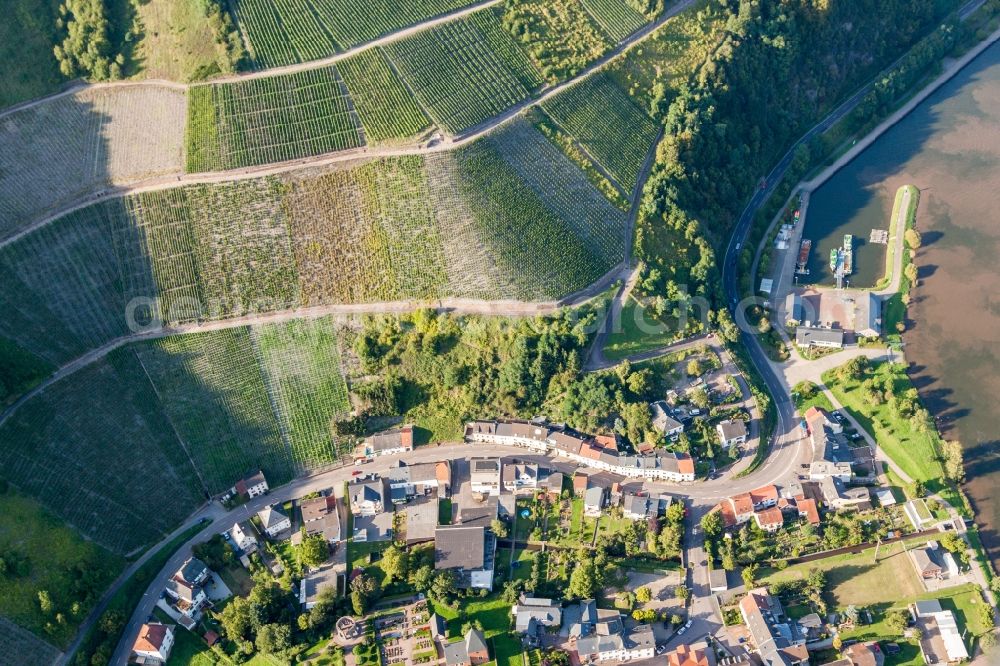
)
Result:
{"points": [[357, 472]]}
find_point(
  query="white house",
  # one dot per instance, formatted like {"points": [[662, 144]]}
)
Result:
{"points": [[638, 643], [520, 476], [153, 644], [185, 588], [274, 521], [397, 440], [368, 498], [821, 469], [253, 485], [732, 431], [484, 475], [593, 501], [243, 536]]}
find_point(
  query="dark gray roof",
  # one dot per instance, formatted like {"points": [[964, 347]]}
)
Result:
{"points": [[271, 516], [372, 490], [805, 336], [459, 547], [192, 569]]}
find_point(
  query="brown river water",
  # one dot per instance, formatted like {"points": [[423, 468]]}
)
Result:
{"points": [[949, 147]]}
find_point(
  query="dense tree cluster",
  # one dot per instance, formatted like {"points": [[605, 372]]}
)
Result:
{"points": [[87, 48]]}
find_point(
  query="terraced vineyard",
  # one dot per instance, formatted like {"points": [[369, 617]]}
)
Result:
{"points": [[386, 108], [617, 18], [31, 650], [464, 72], [607, 124], [294, 31], [60, 150], [273, 119], [302, 373], [213, 391], [97, 451]]}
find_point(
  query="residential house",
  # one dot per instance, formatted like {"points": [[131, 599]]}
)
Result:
{"points": [[397, 440], [770, 519], [631, 645], [553, 483], [471, 651], [808, 509], [244, 537], [368, 497], [822, 469], [252, 486], [407, 481], [697, 654], [884, 496], [639, 507], [532, 616], [581, 481], [778, 642], [664, 422], [468, 551], [273, 521], [484, 475], [940, 640], [838, 496], [811, 336], [593, 452], [584, 618], [732, 431], [320, 516], [867, 314], [925, 561], [861, 654], [185, 589], [315, 582], [153, 644], [764, 497], [593, 501], [520, 476], [438, 627]]}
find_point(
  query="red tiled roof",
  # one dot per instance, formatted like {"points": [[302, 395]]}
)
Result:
{"points": [[765, 493], [742, 504], [808, 508], [726, 509], [211, 637], [590, 451], [150, 638], [771, 516], [607, 442], [685, 655], [685, 463], [406, 436]]}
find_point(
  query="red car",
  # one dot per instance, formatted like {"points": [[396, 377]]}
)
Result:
{"points": [[357, 472]]}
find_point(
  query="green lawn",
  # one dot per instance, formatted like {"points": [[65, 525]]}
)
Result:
{"points": [[190, 650], [916, 453], [492, 611], [857, 579], [637, 332], [818, 399], [507, 650], [444, 512]]}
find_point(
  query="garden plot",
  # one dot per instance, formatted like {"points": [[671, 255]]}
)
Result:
{"points": [[291, 31], [386, 108], [31, 650], [565, 190], [608, 124], [213, 391], [266, 120], [63, 286], [457, 74], [302, 373], [529, 241], [67, 147], [97, 451], [616, 17]]}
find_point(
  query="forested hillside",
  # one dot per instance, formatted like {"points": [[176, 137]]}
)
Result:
{"points": [[774, 71]]}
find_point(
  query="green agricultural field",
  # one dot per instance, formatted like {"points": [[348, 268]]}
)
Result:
{"points": [[565, 190], [608, 125], [458, 74], [617, 18], [301, 30], [301, 363], [97, 451], [42, 554], [20, 369], [386, 108], [532, 245], [273, 119], [64, 148], [213, 391]]}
